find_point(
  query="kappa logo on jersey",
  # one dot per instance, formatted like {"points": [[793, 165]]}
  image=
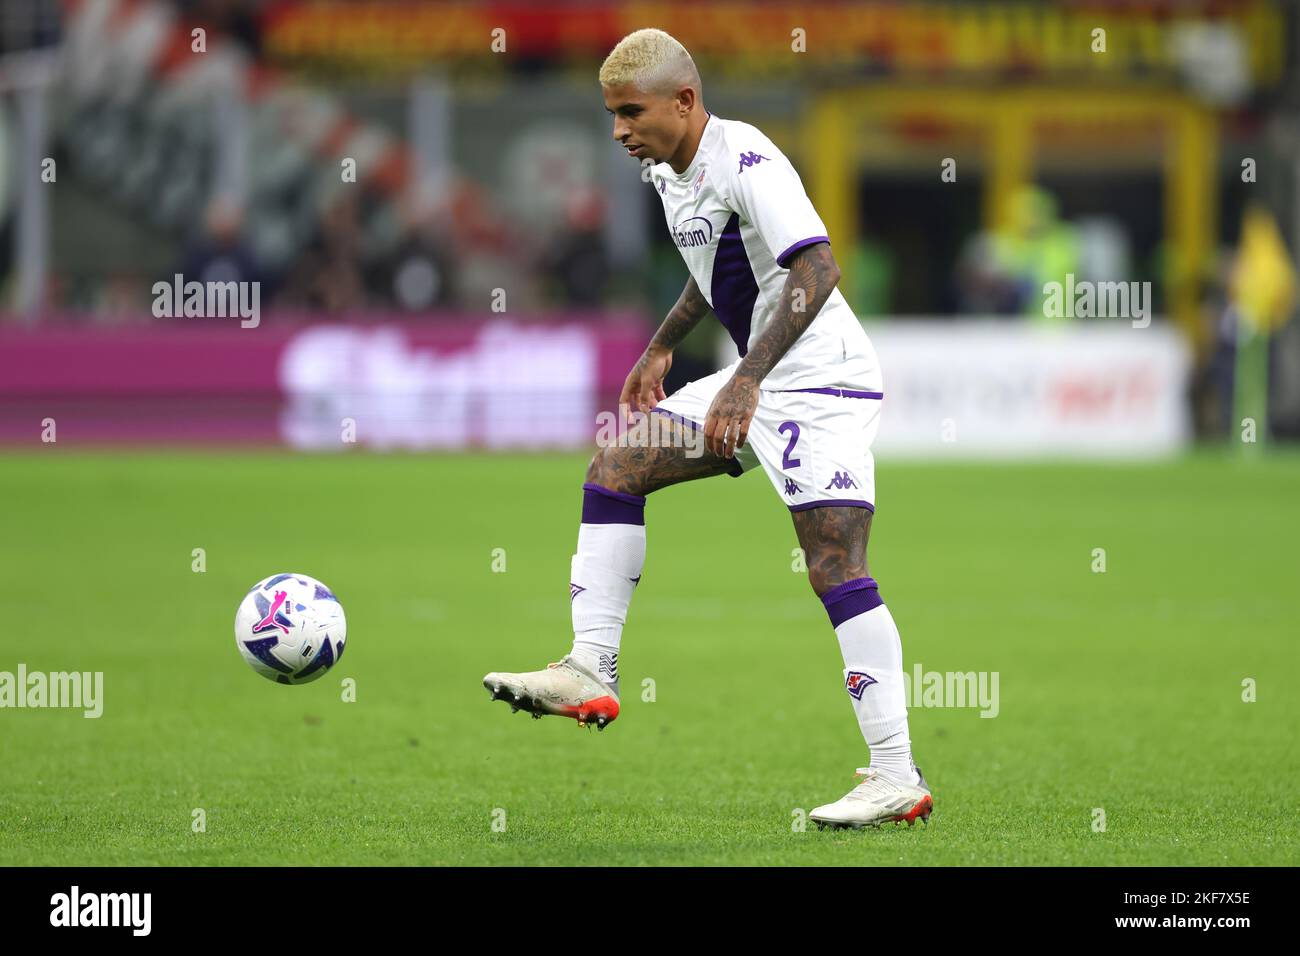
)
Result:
{"points": [[841, 480], [791, 488], [855, 682], [749, 159], [574, 591], [694, 232], [271, 614], [662, 184]]}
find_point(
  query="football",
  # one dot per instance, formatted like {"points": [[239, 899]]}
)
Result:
{"points": [[290, 628]]}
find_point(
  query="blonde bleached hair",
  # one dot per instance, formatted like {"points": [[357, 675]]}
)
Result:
{"points": [[650, 60]]}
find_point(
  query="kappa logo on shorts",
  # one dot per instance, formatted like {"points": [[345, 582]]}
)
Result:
{"points": [[855, 682], [791, 488], [574, 591], [841, 480]]}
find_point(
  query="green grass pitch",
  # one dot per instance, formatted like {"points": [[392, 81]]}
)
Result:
{"points": [[1119, 690]]}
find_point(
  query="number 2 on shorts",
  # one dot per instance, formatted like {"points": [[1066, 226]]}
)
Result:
{"points": [[793, 430]]}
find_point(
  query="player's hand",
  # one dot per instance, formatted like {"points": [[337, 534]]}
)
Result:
{"points": [[727, 425], [644, 388]]}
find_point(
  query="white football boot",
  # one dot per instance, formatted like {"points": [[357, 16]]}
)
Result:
{"points": [[877, 800], [565, 688]]}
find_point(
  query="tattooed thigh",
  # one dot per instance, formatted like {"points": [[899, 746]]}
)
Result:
{"points": [[673, 459]]}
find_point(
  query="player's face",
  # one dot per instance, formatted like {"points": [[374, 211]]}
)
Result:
{"points": [[647, 125]]}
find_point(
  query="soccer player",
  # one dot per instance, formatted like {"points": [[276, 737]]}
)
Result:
{"points": [[802, 402]]}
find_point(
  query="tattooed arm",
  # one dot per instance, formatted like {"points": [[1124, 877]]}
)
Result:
{"points": [[682, 317], [813, 274], [812, 277], [645, 383]]}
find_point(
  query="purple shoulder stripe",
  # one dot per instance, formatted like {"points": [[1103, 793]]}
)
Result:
{"points": [[784, 257]]}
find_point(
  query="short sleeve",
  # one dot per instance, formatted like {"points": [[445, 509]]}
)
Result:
{"points": [[768, 194]]}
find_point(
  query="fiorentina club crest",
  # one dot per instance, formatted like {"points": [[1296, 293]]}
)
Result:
{"points": [[855, 682], [699, 183]]}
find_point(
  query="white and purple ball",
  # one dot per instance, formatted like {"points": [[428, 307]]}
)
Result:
{"points": [[290, 628]]}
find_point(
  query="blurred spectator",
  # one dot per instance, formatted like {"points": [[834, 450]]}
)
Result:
{"points": [[1004, 271], [576, 259], [218, 253], [327, 277], [417, 272], [1212, 383]]}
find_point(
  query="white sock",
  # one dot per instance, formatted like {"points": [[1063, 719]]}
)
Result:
{"points": [[873, 674], [603, 575]]}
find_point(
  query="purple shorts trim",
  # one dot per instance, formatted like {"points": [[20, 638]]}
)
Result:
{"points": [[736, 470], [834, 503], [841, 392], [848, 600], [675, 417], [601, 505], [784, 257]]}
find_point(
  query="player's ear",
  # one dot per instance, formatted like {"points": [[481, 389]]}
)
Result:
{"points": [[685, 100]]}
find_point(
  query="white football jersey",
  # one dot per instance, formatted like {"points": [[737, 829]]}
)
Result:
{"points": [[738, 214]]}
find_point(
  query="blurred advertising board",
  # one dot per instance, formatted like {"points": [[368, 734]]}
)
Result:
{"points": [[996, 388], [441, 383], [1158, 41], [1002, 389]]}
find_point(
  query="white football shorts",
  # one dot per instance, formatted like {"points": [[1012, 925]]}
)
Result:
{"points": [[814, 444]]}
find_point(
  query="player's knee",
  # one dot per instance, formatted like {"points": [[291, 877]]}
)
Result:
{"points": [[819, 581], [828, 573], [594, 466], [598, 471], [603, 470]]}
